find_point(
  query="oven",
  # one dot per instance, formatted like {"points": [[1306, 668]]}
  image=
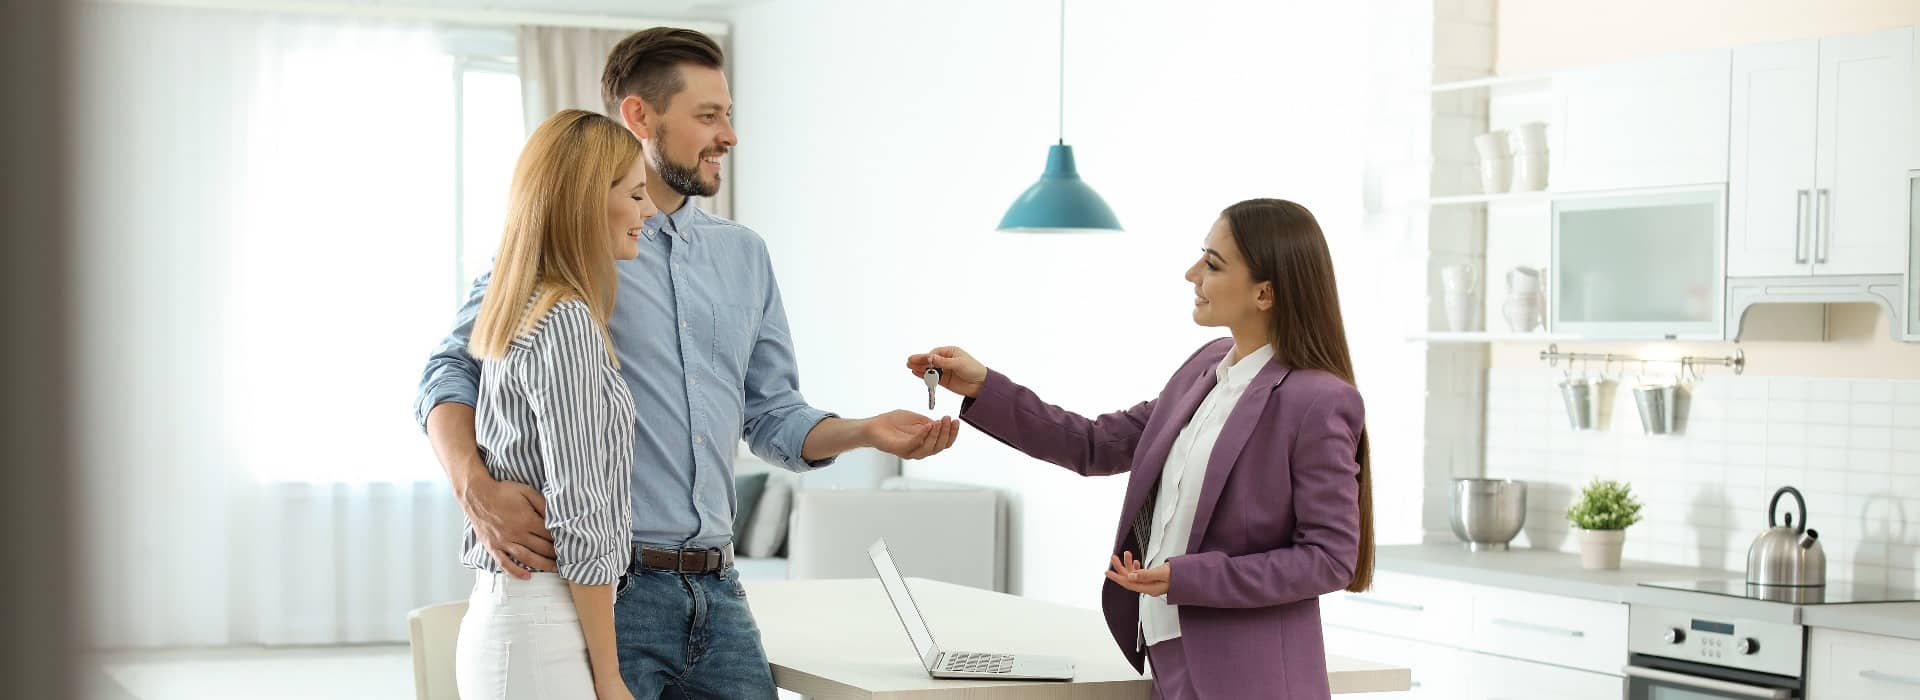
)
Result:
{"points": [[1699, 655], [1657, 678]]}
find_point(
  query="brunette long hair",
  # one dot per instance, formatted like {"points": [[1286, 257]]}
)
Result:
{"points": [[1283, 245]]}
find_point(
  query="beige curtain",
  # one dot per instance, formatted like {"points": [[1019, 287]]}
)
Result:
{"points": [[560, 69]]}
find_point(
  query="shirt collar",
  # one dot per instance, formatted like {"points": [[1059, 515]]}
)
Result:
{"points": [[679, 224], [1240, 374]]}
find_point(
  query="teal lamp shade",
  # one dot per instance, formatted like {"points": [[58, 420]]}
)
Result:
{"points": [[1060, 202]]}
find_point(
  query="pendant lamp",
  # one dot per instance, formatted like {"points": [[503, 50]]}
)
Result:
{"points": [[1060, 202]]}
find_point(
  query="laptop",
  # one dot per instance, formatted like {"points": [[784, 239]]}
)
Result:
{"points": [[958, 664]]}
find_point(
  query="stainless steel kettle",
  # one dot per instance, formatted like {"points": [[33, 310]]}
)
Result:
{"points": [[1788, 555]]}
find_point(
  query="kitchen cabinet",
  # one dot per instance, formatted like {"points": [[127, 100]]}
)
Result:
{"points": [[1842, 665], [1414, 607], [1650, 123], [1639, 264], [1483, 642], [1820, 135], [1500, 678], [1583, 634], [1439, 672]]}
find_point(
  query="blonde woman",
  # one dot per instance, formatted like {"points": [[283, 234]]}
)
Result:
{"points": [[554, 414]]}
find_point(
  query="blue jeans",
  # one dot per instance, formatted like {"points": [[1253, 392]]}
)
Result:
{"points": [[689, 636]]}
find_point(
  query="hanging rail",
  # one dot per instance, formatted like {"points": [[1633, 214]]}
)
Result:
{"points": [[1553, 356]]}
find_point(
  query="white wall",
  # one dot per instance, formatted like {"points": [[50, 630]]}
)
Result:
{"points": [[881, 142], [1852, 447]]}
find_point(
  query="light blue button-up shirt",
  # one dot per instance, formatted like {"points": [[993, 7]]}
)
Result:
{"points": [[703, 345]]}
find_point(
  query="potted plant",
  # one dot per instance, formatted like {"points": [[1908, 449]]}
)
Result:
{"points": [[1602, 514]]}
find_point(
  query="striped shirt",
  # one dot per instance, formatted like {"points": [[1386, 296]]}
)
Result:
{"points": [[703, 343], [554, 414]]}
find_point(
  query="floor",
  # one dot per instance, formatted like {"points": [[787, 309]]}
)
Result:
{"points": [[373, 672]]}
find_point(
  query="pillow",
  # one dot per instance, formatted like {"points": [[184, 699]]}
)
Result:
{"points": [[769, 527], [746, 497]]}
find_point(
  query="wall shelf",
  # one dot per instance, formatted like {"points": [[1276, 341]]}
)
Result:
{"points": [[1518, 83], [1488, 337], [1501, 198]]}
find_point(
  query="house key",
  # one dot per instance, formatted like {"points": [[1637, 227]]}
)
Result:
{"points": [[933, 382]]}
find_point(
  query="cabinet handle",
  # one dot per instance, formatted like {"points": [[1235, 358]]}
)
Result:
{"points": [[1885, 677], [1531, 627], [1822, 220], [1686, 680], [1800, 226], [1410, 607]]}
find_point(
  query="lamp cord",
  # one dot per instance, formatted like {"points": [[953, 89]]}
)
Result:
{"points": [[1061, 129]]}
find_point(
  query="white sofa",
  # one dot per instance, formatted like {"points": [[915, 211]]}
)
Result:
{"points": [[942, 531]]}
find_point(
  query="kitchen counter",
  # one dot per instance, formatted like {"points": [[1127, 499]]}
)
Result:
{"points": [[1536, 570], [1887, 619], [1559, 573]]}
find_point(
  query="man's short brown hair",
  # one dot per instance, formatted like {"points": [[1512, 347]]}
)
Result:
{"points": [[647, 65]]}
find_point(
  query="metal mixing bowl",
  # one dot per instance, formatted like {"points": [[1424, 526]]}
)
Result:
{"points": [[1488, 513]]}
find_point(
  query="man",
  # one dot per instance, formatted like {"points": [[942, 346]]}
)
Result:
{"points": [[703, 344]]}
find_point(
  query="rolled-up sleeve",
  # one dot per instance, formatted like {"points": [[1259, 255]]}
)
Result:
{"points": [[778, 418], [587, 488], [451, 374]]}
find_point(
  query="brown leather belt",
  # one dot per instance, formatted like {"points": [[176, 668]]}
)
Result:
{"points": [[685, 561]]}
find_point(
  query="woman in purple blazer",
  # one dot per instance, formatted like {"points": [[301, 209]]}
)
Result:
{"points": [[1248, 496]]}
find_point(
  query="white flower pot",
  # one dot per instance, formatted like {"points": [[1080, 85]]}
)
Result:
{"points": [[1600, 549]]}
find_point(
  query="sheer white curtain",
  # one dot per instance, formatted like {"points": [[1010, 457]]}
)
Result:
{"points": [[560, 68], [267, 243]]}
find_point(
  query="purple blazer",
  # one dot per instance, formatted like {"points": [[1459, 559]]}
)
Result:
{"points": [[1278, 523]]}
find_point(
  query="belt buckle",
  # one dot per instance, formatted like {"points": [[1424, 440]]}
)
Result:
{"points": [[682, 561]]}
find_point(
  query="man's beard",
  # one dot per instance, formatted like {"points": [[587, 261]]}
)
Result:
{"points": [[683, 179]]}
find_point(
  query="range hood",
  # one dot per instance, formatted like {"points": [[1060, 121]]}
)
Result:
{"points": [[1744, 293]]}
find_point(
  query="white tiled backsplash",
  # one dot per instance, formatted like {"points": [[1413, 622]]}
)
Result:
{"points": [[1852, 447]]}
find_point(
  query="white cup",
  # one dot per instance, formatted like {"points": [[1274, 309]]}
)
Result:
{"points": [[1530, 171], [1492, 145], [1522, 312], [1530, 137], [1496, 175], [1460, 278], [1461, 308], [1523, 280]]}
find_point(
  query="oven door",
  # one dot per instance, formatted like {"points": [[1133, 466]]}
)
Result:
{"points": [[1654, 678]]}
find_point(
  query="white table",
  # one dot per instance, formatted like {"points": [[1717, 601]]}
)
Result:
{"points": [[840, 638]]}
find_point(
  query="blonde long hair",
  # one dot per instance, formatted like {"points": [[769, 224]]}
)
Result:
{"points": [[557, 244]]}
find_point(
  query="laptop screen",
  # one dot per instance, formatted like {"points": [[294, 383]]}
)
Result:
{"points": [[903, 603]]}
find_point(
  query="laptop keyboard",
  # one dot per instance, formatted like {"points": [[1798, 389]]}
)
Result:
{"points": [[970, 662]]}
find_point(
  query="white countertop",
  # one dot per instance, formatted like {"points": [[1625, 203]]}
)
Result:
{"points": [[840, 638], [1559, 573], [1536, 570], [1888, 619]]}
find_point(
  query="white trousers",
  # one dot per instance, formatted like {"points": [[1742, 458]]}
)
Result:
{"points": [[521, 640]]}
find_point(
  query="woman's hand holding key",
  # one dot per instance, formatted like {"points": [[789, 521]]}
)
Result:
{"points": [[959, 372]]}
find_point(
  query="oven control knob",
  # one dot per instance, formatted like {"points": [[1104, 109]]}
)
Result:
{"points": [[1674, 635], [1747, 646]]}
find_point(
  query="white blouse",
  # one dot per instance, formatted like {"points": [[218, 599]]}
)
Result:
{"points": [[1181, 480]]}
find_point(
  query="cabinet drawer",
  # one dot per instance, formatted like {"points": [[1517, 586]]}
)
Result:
{"points": [[1581, 634], [1439, 673], [1495, 678], [1413, 607], [1854, 665]]}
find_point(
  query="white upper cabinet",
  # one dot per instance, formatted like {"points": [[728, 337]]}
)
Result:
{"points": [[1652, 123], [1866, 123], [1770, 178], [1820, 137]]}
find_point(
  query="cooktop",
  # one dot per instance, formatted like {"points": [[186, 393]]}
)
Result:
{"points": [[1830, 594]]}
